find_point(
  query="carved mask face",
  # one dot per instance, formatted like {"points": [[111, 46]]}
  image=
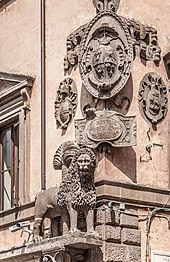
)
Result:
{"points": [[154, 101], [154, 52], [84, 164]]}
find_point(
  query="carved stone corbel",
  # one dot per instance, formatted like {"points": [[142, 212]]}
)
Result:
{"points": [[26, 98]]}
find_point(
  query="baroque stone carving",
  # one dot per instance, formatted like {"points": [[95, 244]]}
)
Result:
{"points": [[66, 103], [86, 253], [58, 256], [113, 50], [106, 55], [145, 40], [75, 195], [102, 5], [73, 44], [107, 127], [153, 98], [79, 184]]}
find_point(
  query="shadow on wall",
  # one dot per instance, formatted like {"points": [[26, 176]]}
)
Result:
{"points": [[122, 101], [124, 159], [119, 103], [5, 3]]}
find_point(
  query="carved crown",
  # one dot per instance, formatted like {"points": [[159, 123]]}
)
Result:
{"points": [[106, 5]]}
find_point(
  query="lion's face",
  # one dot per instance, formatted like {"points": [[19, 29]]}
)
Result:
{"points": [[84, 164]]}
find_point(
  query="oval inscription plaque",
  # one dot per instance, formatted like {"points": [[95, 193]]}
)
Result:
{"points": [[104, 129]]}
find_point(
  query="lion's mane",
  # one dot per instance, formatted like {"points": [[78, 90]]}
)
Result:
{"points": [[80, 190]]}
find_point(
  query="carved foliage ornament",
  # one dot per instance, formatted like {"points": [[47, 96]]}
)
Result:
{"points": [[145, 40], [57, 256], [153, 98], [66, 103], [102, 5], [106, 56], [73, 45], [143, 37]]}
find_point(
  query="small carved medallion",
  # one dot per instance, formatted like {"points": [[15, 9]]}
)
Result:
{"points": [[66, 103], [106, 55], [107, 127], [153, 98]]}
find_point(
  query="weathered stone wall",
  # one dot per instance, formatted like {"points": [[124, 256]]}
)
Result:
{"points": [[120, 232]]}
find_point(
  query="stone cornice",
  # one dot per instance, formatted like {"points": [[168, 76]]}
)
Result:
{"points": [[133, 193], [15, 91], [23, 212], [29, 251]]}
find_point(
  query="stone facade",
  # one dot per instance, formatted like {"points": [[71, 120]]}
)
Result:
{"points": [[106, 139]]}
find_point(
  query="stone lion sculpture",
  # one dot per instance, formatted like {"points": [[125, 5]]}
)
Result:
{"points": [[76, 195]]}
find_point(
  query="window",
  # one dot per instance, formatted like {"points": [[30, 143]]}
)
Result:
{"points": [[14, 139], [9, 166]]}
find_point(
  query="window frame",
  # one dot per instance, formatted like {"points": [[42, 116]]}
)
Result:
{"points": [[15, 93], [14, 164]]}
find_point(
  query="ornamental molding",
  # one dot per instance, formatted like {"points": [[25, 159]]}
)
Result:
{"points": [[15, 93], [106, 127]]}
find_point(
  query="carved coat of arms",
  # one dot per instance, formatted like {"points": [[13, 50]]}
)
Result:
{"points": [[106, 55], [153, 98], [66, 103]]}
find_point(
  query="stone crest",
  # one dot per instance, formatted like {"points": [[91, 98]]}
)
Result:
{"points": [[106, 55], [66, 103], [107, 127], [153, 98]]}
